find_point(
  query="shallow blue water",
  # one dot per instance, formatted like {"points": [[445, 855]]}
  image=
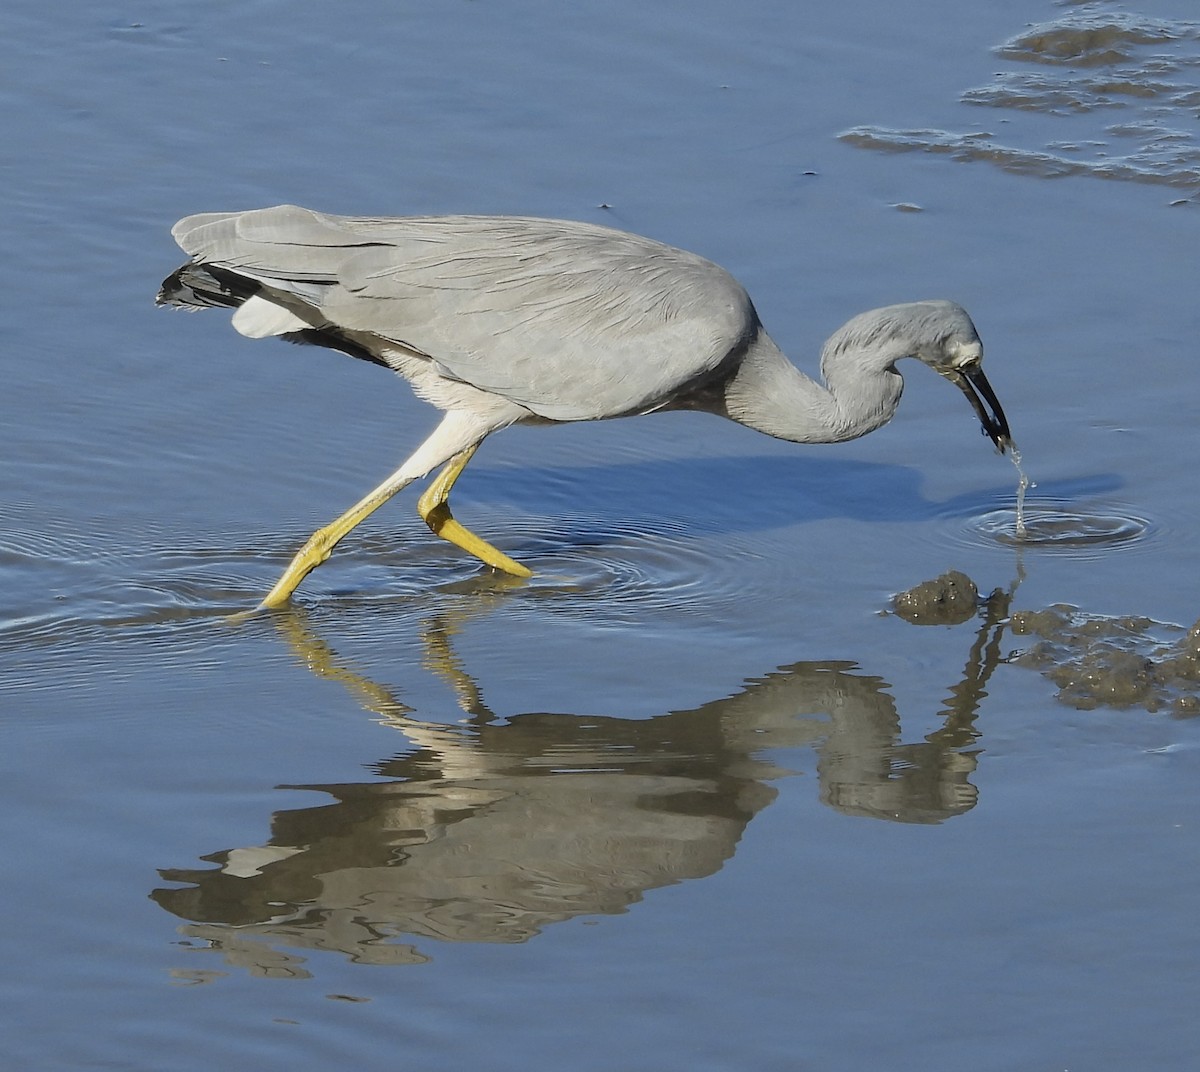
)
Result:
{"points": [[688, 798]]}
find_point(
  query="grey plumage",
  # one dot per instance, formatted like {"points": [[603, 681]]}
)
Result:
{"points": [[561, 318], [500, 320]]}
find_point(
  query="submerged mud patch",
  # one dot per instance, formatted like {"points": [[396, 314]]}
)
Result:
{"points": [[1095, 660], [1092, 38], [1099, 661], [1088, 64]]}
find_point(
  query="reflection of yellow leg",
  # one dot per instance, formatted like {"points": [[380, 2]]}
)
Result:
{"points": [[322, 660], [439, 658], [434, 508]]}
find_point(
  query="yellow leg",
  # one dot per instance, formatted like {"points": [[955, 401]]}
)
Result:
{"points": [[456, 438], [435, 510], [321, 543]]}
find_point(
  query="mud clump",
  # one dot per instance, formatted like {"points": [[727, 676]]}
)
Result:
{"points": [[1095, 660], [1112, 662], [950, 599]]}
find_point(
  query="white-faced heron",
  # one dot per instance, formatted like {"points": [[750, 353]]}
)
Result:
{"points": [[506, 320]]}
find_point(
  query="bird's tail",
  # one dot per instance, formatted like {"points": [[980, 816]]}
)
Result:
{"points": [[204, 286], [197, 285]]}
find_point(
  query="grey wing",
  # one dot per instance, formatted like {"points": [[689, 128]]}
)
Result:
{"points": [[570, 320]]}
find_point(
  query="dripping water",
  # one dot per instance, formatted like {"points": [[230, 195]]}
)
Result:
{"points": [[1023, 485]]}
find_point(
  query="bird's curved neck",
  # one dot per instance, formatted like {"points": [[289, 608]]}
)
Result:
{"points": [[769, 394]]}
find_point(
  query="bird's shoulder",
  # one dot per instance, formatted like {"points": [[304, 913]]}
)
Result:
{"points": [[572, 320], [540, 265]]}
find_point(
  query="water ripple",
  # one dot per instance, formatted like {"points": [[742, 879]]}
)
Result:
{"points": [[1058, 526], [636, 569], [84, 585]]}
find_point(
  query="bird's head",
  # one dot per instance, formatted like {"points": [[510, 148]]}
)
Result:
{"points": [[938, 333], [950, 346]]}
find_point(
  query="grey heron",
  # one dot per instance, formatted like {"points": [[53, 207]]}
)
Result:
{"points": [[500, 320]]}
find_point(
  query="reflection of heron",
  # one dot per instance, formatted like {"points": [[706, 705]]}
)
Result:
{"points": [[488, 829], [501, 321]]}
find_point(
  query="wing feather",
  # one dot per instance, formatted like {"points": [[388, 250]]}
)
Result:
{"points": [[571, 320]]}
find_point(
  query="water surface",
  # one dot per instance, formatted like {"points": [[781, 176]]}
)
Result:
{"points": [[694, 796]]}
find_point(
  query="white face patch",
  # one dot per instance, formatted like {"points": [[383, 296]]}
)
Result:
{"points": [[962, 354]]}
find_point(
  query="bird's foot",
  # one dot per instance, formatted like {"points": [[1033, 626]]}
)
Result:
{"points": [[442, 523], [317, 548]]}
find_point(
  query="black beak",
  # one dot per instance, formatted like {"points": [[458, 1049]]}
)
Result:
{"points": [[973, 383]]}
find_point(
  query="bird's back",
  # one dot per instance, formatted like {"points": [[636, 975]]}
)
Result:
{"points": [[571, 320]]}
